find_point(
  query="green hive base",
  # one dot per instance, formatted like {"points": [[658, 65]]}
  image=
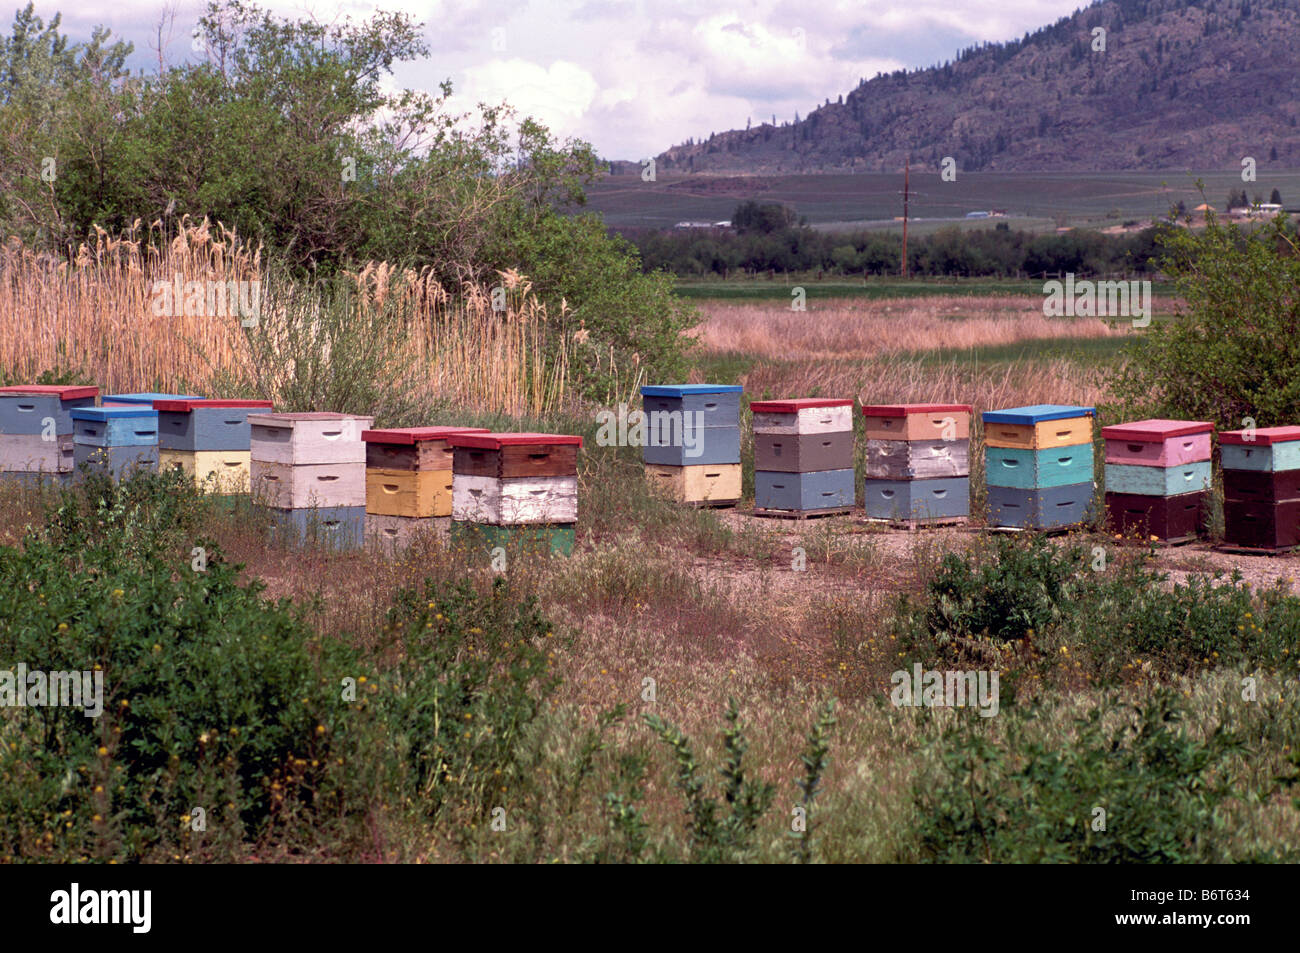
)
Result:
{"points": [[553, 538]]}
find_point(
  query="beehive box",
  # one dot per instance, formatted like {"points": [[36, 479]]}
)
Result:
{"points": [[1269, 449], [392, 534], [1038, 469], [28, 409], [1158, 481], [719, 483], [1040, 508], [1261, 487], [338, 527], [418, 494], [34, 453], [308, 485], [917, 421], [34, 479], [898, 500], [691, 424], [1038, 426], [803, 453], [115, 462], [121, 426], [206, 425], [1163, 517], [1157, 443], [812, 490], [221, 471], [514, 478], [917, 459], [412, 448], [304, 439], [802, 416]]}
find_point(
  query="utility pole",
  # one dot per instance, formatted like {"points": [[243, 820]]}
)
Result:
{"points": [[907, 169]]}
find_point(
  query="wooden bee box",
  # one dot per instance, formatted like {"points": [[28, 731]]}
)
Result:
{"points": [[917, 499], [917, 459], [206, 425], [409, 493], [115, 426], [1038, 469], [1263, 525], [803, 453], [25, 408], [394, 533], [331, 527], [1270, 449], [510, 500], [1164, 517], [1038, 427], [309, 438], [696, 484], [222, 471], [32, 452], [527, 540], [1039, 508], [515, 455], [717, 404], [805, 415], [1261, 486], [1158, 481], [1158, 443], [412, 448], [917, 421], [308, 486], [144, 399], [116, 462], [818, 490]]}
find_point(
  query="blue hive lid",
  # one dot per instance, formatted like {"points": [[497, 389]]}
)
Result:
{"points": [[681, 390], [146, 398], [111, 413], [1036, 413]]}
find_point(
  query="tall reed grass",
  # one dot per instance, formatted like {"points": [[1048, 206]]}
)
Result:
{"points": [[92, 314]]}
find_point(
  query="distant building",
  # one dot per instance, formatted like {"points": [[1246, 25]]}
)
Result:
{"points": [[1263, 210], [977, 214]]}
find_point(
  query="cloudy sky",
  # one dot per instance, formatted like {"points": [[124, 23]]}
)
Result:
{"points": [[636, 76]]}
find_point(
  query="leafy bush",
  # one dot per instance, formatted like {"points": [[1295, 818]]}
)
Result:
{"points": [[1033, 799], [213, 698], [1235, 352]]}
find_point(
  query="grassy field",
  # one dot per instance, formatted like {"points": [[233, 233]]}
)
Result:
{"points": [[662, 694], [778, 289], [1034, 201]]}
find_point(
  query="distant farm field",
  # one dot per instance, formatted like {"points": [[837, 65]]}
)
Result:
{"points": [[1032, 201], [780, 287]]}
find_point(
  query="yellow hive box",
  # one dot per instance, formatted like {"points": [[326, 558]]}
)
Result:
{"points": [[224, 471], [413, 493], [1043, 435], [696, 484]]}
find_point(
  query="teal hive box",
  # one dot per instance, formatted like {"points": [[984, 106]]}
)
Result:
{"points": [[1030, 469], [1158, 481], [146, 399], [1268, 448]]}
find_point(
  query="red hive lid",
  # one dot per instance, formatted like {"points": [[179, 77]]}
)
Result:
{"points": [[495, 441], [1155, 430], [410, 435], [1264, 436], [186, 406], [64, 391], [902, 410], [795, 405]]}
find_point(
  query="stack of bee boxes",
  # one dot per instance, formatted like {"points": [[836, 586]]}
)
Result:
{"points": [[309, 469], [115, 440], [210, 441], [516, 489], [1261, 488], [36, 430], [692, 447], [408, 481], [803, 457], [1157, 477], [918, 463], [1038, 465]]}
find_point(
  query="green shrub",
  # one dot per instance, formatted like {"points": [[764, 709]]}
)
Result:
{"points": [[1034, 799]]}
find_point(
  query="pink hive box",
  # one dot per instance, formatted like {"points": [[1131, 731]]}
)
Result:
{"points": [[1158, 443]]}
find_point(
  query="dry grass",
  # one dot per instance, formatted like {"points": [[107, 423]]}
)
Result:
{"points": [[863, 329], [881, 381], [93, 316]]}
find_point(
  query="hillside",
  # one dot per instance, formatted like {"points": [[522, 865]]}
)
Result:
{"points": [[1181, 84]]}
